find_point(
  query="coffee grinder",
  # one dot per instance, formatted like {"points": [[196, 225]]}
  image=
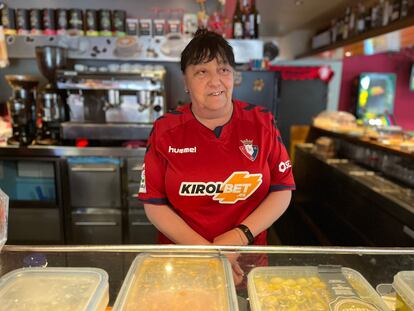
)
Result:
{"points": [[22, 109], [51, 108]]}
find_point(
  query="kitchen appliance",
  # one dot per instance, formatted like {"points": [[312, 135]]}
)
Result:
{"points": [[35, 214], [112, 100], [95, 200], [50, 105], [258, 88], [21, 107], [299, 102]]}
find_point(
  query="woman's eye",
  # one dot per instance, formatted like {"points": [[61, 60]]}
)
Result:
{"points": [[225, 70], [201, 72]]}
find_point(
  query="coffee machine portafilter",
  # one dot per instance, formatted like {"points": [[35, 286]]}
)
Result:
{"points": [[51, 108]]}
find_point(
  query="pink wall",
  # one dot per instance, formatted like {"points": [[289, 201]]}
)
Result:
{"points": [[398, 63]]}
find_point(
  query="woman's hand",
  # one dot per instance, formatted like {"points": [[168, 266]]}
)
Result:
{"points": [[172, 225], [236, 270], [233, 237]]}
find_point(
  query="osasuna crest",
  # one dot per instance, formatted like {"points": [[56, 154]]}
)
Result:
{"points": [[248, 149]]}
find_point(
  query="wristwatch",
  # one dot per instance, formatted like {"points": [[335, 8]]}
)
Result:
{"points": [[247, 233]]}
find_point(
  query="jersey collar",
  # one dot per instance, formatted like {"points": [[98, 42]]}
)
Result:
{"points": [[220, 132]]}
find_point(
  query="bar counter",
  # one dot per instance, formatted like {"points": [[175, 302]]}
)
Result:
{"points": [[377, 265], [69, 151], [362, 140]]}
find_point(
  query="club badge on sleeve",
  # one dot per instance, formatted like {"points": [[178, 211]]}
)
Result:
{"points": [[249, 150], [142, 184]]}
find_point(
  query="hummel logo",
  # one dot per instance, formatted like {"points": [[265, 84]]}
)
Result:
{"points": [[182, 150]]}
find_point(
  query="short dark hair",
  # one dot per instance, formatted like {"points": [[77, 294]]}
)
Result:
{"points": [[204, 47]]}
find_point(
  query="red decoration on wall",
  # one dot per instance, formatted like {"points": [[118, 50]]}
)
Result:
{"points": [[324, 73]]}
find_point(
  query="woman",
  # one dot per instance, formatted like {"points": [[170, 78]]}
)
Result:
{"points": [[216, 171]]}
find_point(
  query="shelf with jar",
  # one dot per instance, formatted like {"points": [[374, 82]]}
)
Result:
{"points": [[127, 48], [362, 22], [111, 34]]}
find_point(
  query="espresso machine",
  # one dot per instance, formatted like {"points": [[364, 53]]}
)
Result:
{"points": [[22, 109], [51, 107], [115, 97], [109, 104]]}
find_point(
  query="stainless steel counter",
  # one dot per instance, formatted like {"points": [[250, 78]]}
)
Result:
{"points": [[377, 265], [65, 209], [63, 151]]}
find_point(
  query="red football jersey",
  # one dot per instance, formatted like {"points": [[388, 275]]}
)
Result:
{"points": [[214, 179]]}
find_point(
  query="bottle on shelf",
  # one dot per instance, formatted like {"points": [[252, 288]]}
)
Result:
{"points": [[380, 13], [386, 12], [238, 25], [202, 14], [410, 8], [254, 20], [345, 27], [334, 30], [395, 10], [246, 19], [340, 29], [368, 25], [216, 20], [361, 18], [407, 8], [352, 21], [375, 21]]}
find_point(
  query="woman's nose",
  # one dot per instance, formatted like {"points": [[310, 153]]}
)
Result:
{"points": [[214, 79]]}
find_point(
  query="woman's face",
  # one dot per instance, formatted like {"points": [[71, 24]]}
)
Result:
{"points": [[210, 85]]}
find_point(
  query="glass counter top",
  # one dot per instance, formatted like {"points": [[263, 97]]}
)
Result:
{"points": [[377, 265]]}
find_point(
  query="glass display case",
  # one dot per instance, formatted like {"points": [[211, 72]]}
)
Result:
{"points": [[376, 265]]}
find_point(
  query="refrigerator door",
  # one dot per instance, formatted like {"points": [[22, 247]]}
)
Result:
{"points": [[141, 231], [300, 101], [35, 225], [95, 182], [96, 226], [259, 88]]}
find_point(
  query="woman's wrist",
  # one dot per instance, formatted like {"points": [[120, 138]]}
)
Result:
{"points": [[243, 238], [248, 235]]}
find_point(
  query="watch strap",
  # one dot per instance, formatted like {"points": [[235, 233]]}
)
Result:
{"points": [[247, 233]]}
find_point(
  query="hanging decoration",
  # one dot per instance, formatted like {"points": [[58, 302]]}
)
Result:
{"points": [[324, 73]]}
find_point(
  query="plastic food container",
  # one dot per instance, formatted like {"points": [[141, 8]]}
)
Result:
{"points": [[178, 282], [4, 214], [71, 289], [404, 286], [311, 289]]}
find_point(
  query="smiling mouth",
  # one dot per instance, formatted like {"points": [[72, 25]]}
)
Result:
{"points": [[216, 93]]}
